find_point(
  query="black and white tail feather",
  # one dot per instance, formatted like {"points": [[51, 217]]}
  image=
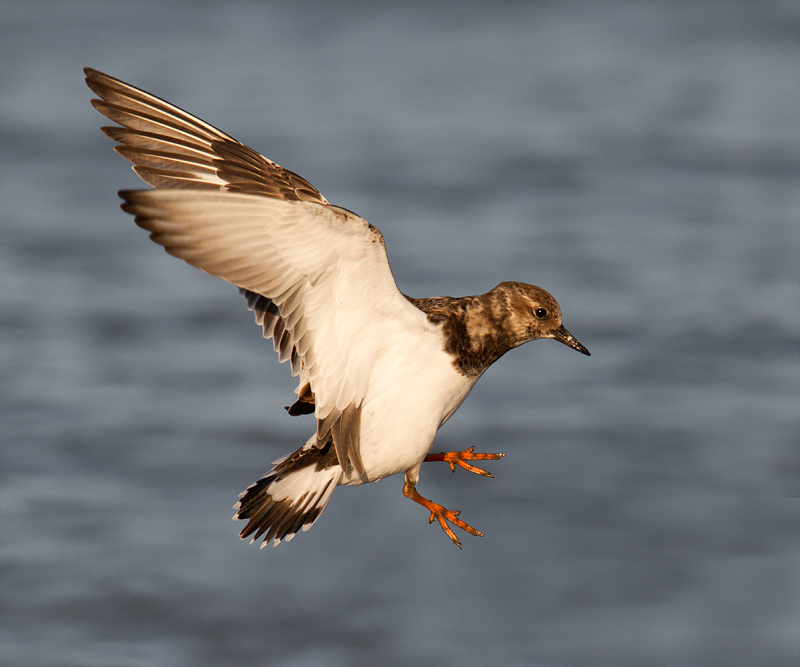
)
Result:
{"points": [[292, 495], [294, 492]]}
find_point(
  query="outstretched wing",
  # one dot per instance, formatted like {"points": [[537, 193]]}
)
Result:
{"points": [[170, 148], [316, 275]]}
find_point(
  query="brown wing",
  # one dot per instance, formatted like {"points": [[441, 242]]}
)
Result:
{"points": [[170, 148]]}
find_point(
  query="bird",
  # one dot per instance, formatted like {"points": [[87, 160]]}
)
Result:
{"points": [[380, 371]]}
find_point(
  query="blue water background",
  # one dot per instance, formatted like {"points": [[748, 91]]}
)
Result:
{"points": [[640, 160]]}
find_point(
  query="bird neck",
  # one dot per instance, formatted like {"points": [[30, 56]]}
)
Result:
{"points": [[476, 329]]}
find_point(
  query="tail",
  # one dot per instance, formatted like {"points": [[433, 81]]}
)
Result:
{"points": [[290, 496]]}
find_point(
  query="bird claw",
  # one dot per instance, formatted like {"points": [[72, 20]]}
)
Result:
{"points": [[443, 515], [440, 514], [460, 459]]}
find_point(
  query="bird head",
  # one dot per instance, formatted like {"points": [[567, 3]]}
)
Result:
{"points": [[534, 313]]}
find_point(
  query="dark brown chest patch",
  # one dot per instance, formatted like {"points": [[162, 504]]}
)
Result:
{"points": [[473, 331]]}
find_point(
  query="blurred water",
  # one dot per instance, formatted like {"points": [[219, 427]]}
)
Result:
{"points": [[638, 160]]}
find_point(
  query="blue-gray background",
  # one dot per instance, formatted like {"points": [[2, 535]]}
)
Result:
{"points": [[639, 160]]}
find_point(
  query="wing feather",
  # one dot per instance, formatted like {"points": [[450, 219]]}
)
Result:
{"points": [[329, 326], [199, 155], [316, 276]]}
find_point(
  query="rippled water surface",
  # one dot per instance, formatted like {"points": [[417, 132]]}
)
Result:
{"points": [[638, 160]]}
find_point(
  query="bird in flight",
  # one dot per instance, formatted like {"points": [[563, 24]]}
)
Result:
{"points": [[380, 371]]}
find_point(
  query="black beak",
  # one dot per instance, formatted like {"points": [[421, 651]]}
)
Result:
{"points": [[564, 336]]}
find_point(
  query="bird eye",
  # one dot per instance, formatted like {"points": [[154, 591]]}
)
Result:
{"points": [[541, 313]]}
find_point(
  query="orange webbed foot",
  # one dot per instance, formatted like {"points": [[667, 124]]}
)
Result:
{"points": [[440, 514], [460, 459]]}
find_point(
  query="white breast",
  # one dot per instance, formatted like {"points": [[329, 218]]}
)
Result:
{"points": [[414, 388]]}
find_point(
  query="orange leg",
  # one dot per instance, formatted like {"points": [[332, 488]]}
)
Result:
{"points": [[461, 458], [439, 513]]}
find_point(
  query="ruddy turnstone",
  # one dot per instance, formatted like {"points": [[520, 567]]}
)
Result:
{"points": [[381, 371]]}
